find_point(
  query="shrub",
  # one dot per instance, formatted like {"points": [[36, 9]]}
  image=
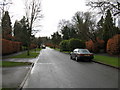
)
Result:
{"points": [[50, 45], [9, 47], [113, 45], [95, 47], [32, 46], [76, 43], [64, 45]]}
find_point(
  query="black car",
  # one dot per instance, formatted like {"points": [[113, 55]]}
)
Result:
{"points": [[81, 54]]}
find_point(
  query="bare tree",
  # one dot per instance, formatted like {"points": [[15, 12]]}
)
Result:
{"points": [[33, 15], [104, 5]]}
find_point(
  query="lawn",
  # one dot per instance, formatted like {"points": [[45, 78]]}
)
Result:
{"points": [[24, 55], [13, 64], [37, 49], [9, 89], [33, 54], [113, 61]]}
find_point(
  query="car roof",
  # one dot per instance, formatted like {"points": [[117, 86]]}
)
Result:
{"points": [[80, 49]]}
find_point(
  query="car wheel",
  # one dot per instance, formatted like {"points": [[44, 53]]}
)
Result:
{"points": [[71, 57], [76, 58], [90, 60]]}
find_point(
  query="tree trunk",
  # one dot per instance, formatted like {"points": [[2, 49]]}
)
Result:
{"points": [[28, 50]]}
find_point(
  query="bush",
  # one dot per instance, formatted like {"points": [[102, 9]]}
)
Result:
{"points": [[50, 45], [9, 47], [113, 45], [32, 46], [64, 45], [95, 47], [71, 44], [76, 43]]}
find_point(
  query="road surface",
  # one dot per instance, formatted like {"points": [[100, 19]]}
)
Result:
{"points": [[54, 69]]}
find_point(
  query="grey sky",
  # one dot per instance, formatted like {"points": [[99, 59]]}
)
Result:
{"points": [[53, 11]]}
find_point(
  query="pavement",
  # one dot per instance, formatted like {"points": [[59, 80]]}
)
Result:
{"points": [[13, 77], [54, 69]]}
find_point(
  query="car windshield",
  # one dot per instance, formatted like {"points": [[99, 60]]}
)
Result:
{"points": [[84, 51]]}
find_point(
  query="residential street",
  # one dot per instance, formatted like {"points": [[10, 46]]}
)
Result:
{"points": [[54, 69]]}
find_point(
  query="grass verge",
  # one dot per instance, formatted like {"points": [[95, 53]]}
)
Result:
{"points": [[13, 64], [24, 55], [33, 54], [9, 89], [37, 49], [113, 61]]}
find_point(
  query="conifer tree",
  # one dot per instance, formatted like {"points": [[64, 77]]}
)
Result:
{"points": [[6, 26], [108, 27]]}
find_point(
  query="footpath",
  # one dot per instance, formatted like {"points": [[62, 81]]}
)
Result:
{"points": [[13, 77]]}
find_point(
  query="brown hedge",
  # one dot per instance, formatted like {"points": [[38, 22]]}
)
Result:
{"points": [[113, 45], [9, 47], [32, 46], [94, 47]]}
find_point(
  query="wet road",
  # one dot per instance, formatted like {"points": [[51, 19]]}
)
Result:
{"points": [[54, 69], [12, 77]]}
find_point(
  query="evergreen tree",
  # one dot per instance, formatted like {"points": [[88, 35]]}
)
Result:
{"points": [[108, 27], [56, 38], [66, 33], [100, 27], [18, 31], [6, 26]]}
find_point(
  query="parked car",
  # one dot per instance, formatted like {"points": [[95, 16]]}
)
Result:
{"points": [[81, 54], [43, 46]]}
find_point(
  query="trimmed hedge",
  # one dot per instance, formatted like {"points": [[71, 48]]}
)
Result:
{"points": [[113, 45], [32, 46], [64, 45], [75, 43], [9, 47], [95, 47], [49, 45], [71, 44]]}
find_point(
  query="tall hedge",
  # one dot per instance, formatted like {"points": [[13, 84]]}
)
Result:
{"points": [[76, 43], [71, 44], [32, 46], [64, 45], [9, 47], [95, 47], [113, 45]]}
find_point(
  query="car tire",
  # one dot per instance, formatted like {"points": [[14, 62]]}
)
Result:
{"points": [[71, 57], [76, 58], [90, 60]]}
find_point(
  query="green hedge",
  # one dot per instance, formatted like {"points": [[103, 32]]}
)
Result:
{"points": [[64, 45], [71, 44]]}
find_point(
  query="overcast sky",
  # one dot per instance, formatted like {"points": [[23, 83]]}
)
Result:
{"points": [[53, 11]]}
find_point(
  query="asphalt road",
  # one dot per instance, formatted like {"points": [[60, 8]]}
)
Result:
{"points": [[54, 69]]}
